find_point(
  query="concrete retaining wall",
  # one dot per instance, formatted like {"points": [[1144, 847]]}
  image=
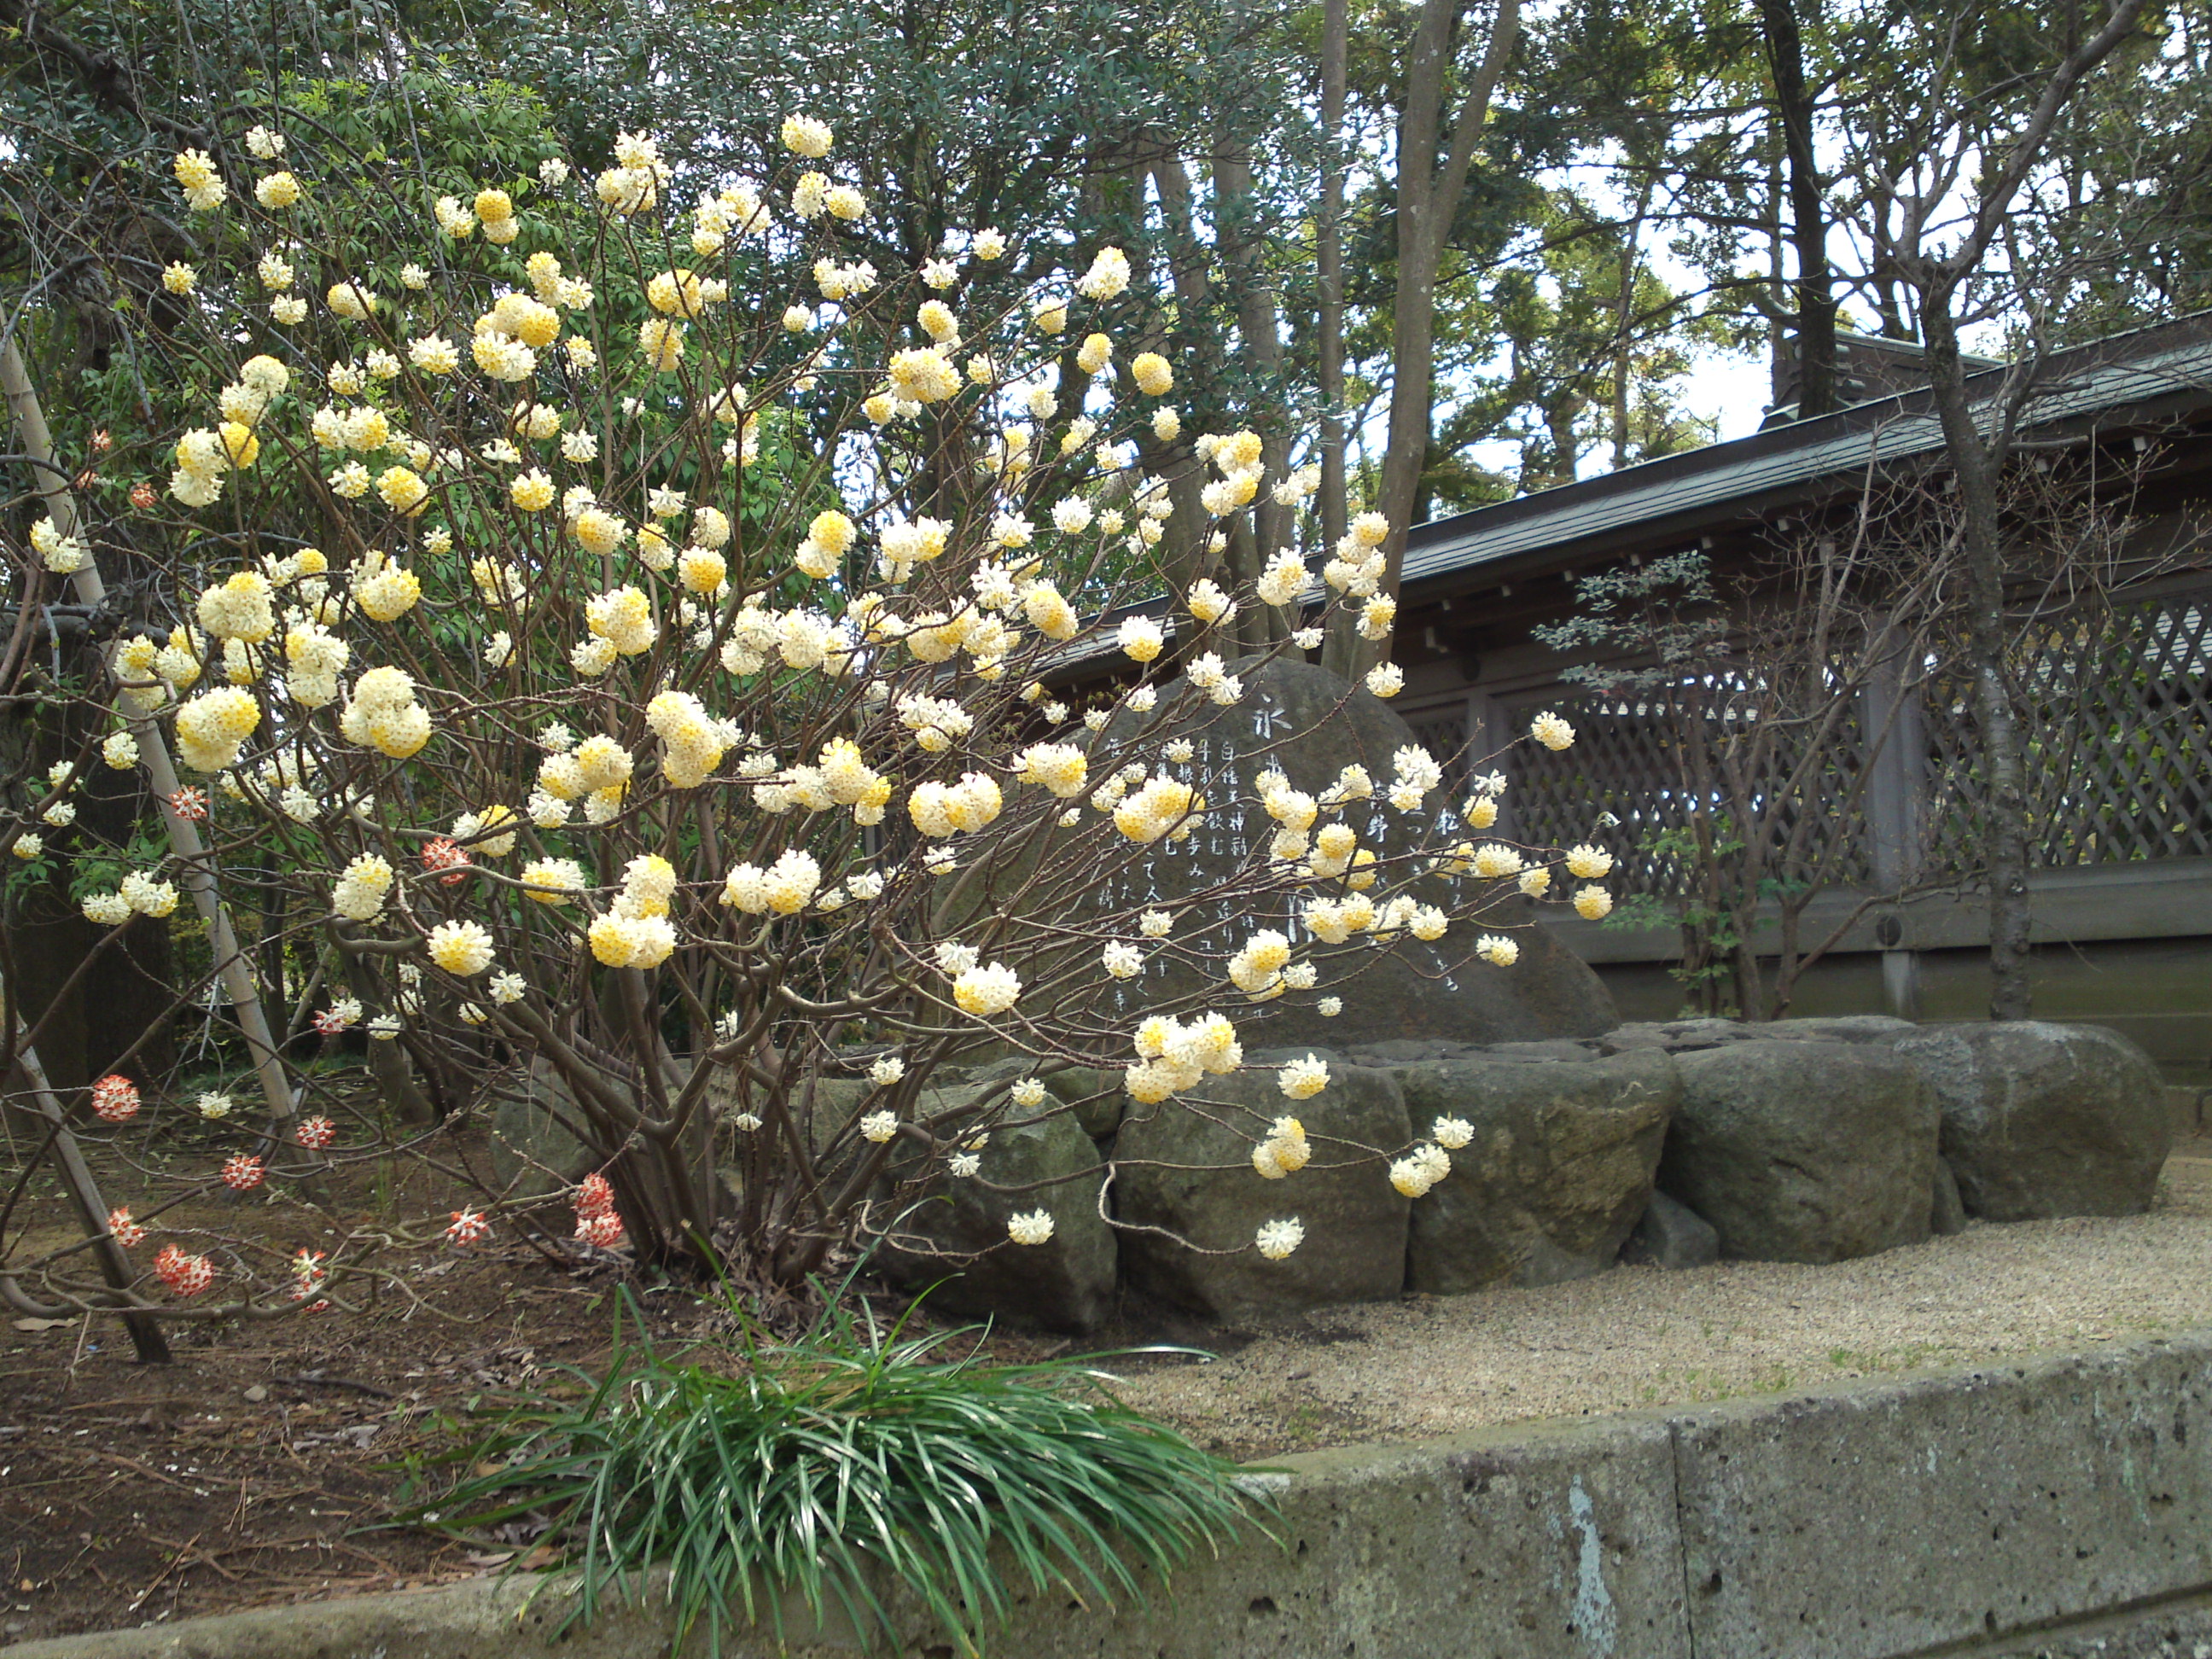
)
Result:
{"points": [[2043, 1506]]}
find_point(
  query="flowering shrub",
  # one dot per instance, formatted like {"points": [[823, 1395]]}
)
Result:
{"points": [[631, 621]]}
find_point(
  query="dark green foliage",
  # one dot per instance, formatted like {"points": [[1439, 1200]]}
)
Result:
{"points": [[842, 1463]]}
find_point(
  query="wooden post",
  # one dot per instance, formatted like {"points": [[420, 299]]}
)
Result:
{"points": [[231, 966], [1896, 758], [115, 1267], [1486, 736]]}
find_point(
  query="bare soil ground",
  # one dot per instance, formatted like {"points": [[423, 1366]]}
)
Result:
{"points": [[251, 1472]]}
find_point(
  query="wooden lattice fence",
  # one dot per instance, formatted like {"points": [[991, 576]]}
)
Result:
{"points": [[2118, 723], [2117, 714]]}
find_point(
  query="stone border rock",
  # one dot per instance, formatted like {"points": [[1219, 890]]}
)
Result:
{"points": [[1990, 1510]]}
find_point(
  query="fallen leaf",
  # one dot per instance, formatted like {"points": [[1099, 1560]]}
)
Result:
{"points": [[44, 1324]]}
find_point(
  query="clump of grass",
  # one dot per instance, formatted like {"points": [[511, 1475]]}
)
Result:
{"points": [[851, 1455]]}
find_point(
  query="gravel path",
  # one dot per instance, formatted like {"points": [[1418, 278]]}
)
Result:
{"points": [[1644, 1336]]}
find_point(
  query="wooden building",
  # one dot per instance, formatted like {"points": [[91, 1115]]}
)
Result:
{"points": [[2120, 719]]}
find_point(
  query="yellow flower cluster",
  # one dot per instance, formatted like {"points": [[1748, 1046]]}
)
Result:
{"points": [[620, 941], [1284, 1152], [382, 715], [633, 183], [1165, 807], [622, 618], [509, 336], [940, 810], [1256, 968], [637, 931], [552, 881], [214, 725], [987, 990], [314, 657], [784, 889], [692, 741], [385, 591], [197, 176], [1173, 1055], [362, 888], [495, 209], [1061, 767], [490, 832], [461, 948], [239, 609], [1420, 1170]]}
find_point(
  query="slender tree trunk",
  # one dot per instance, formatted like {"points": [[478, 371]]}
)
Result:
{"points": [[1433, 161], [1329, 271], [1975, 460], [1815, 326], [1624, 317], [1266, 527], [1183, 555], [1982, 538]]}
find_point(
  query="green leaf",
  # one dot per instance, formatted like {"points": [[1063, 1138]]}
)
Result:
{"points": [[837, 1465]]}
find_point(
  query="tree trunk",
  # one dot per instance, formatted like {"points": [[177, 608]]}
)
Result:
{"points": [[1257, 535], [1815, 327], [1982, 538], [1624, 319], [1329, 271], [1433, 162]]}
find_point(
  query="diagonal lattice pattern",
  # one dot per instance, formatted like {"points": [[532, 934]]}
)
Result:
{"points": [[1629, 760], [2117, 716], [2117, 707]]}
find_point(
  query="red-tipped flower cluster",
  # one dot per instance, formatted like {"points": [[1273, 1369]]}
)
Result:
{"points": [[448, 854], [189, 803], [315, 1133], [597, 1223], [307, 1276], [127, 1232], [115, 1098], [242, 1173], [185, 1275], [469, 1227]]}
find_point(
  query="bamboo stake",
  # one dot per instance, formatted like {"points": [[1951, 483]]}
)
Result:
{"points": [[236, 972], [92, 1209]]}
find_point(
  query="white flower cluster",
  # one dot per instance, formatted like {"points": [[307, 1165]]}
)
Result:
{"points": [[636, 932], [382, 715], [1284, 1152], [1420, 1169], [362, 888], [1174, 1056], [63, 555], [783, 889]]}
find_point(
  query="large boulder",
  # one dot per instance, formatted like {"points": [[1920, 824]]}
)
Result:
{"points": [[1309, 724], [953, 1229], [1560, 1166], [1681, 1037], [1803, 1151], [1097, 1096], [2042, 1120], [1185, 1168], [538, 1144]]}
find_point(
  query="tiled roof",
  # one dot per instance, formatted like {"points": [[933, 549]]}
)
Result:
{"points": [[2170, 363]]}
